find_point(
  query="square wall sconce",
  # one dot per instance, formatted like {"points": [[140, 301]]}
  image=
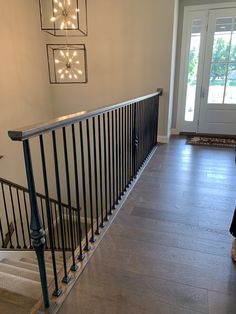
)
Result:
{"points": [[64, 17], [67, 64]]}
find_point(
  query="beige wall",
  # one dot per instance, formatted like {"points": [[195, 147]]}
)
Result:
{"points": [[24, 90], [182, 5], [129, 55]]}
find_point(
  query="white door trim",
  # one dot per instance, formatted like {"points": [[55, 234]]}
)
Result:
{"points": [[187, 11]]}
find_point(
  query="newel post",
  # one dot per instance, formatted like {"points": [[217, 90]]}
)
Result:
{"points": [[36, 225]]}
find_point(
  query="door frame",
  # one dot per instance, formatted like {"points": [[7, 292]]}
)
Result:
{"points": [[181, 93]]}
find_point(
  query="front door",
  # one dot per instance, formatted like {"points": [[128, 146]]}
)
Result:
{"points": [[218, 101], [208, 86]]}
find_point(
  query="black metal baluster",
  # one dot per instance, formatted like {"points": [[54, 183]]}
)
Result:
{"points": [[7, 218], [56, 291], [74, 267], [130, 143], [95, 176], [1, 232], [81, 256], [120, 154], [102, 225], [27, 219], [37, 234], [109, 163], [117, 159], [44, 224], [57, 226], [14, 217], [105, 165], [113, 162], [87, 247], [125, 150], [21, 219], [90, 180], [65, 212], [66, 278]]}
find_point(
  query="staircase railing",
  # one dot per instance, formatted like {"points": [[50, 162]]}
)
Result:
{"points": [[87, 160], [15, 213]]}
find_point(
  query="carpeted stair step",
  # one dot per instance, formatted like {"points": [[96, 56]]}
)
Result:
{"points": [[10, 300], [20, 272], [29, 266], [18, 285], [48, 263], [11, 308]]}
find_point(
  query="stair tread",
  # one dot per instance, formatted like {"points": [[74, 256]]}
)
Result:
{"points": [[18, 285], [10, 308], [25, 265], [32, 261], [19, 271], [10, 300]]}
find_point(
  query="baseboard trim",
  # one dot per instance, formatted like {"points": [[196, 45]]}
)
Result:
{"points": [[174, 132], [163, 139]]}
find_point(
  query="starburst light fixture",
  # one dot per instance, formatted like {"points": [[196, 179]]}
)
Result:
{"points": [[64, 17], [67, 64]]}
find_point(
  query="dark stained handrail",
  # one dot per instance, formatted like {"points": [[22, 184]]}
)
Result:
{"points": [[40, 128], [24, 189]]}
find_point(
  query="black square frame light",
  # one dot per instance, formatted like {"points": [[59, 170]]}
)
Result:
{"points": [[73, 13], [67, 63]]}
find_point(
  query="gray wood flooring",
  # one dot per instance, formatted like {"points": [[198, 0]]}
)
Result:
{"points": [[168, 250]]}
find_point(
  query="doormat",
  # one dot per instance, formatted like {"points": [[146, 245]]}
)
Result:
{"points": [[211, 141]]}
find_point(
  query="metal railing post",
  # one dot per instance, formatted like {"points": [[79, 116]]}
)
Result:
{"points": [[36, 225]]}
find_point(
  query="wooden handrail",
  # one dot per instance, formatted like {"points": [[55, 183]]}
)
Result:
{"points": [[40, 128], [24, 189]]}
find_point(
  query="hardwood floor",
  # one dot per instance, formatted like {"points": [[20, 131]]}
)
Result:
{"points": [[168, 250]]}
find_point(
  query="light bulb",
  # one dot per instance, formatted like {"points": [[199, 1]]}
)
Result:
{"points": [[80, 72], [60, 5], [75, 53], [56, 1], [77, 10], [67, 53], [77, 62], [57, 61], [60, 71], [62, 53], [52, 19], [74, 17], [70, 76], [75, 76], [62, 25], [55, 10], [73, 26], [62, 76], [68, 2]]}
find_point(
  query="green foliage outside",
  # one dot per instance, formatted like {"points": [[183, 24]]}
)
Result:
{"points": [[218, 70]]}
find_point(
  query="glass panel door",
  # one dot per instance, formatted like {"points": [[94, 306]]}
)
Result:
{"points": [[218, 103]]}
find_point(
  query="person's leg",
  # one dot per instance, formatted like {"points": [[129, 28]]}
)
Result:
{"points": [[233, 232]]}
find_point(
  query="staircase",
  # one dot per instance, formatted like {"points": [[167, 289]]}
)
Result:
{"points": [[20, 287]]}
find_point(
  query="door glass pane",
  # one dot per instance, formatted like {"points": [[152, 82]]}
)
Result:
{"points": [[223, 71], [217, 83], [193, 69], [230, 92]]}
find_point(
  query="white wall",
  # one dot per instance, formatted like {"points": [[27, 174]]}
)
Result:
{"points": [[129, 55], [25, 96]]}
